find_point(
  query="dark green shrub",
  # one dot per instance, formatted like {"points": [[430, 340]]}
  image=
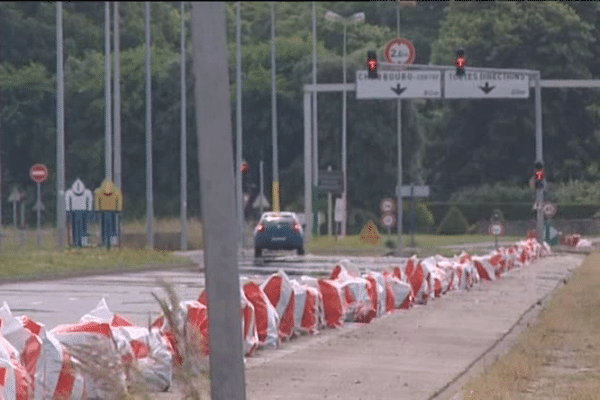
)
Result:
{"points": [[390, 244], [424, 216], [454, 223]]}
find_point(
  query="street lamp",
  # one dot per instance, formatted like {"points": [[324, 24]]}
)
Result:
{"points": [[355, 18]]}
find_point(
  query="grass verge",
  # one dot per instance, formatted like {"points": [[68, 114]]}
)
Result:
{"points": [[45, 263], [558, 357], [427, 244]]}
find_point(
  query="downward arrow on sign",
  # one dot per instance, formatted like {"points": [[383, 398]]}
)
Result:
{"points": [[487, 88], [398, 90]]}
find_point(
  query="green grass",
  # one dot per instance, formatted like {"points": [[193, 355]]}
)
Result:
{"points": [[24, 258], [427, 244]]}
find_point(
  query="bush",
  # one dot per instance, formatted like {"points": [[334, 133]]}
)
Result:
{"points": [[424, 216], [454, 223]]}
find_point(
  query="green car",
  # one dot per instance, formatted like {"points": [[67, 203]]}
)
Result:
{"points": [[278, 231]]}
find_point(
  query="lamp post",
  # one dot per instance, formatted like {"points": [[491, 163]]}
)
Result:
{"points": [[355, 18]]}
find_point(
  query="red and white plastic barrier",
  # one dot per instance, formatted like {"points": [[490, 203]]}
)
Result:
{"points": [[147, 348], [47, 362], [36, 364], [280, 292]]}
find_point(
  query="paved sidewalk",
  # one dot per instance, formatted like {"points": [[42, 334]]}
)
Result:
{"points": [[413, 354]]}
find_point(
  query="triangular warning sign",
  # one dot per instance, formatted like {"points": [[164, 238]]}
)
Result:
{"points": [[370, 234]]}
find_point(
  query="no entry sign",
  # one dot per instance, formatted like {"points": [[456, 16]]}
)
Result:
{"points": [[38, 173]]}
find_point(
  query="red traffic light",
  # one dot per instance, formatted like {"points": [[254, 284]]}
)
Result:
{"points": [[372, 65], [461, 62], [539, 175], [245, 168]]}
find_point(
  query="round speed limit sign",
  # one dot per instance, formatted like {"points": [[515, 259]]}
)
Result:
{"points": [[400, 51]]}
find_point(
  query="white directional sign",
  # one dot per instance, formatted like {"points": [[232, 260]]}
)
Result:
{"points": [[399, 85], [417, 191], [486, 84]]}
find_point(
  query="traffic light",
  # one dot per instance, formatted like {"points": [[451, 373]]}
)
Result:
{"points": [[539, 175], [372, 65], [461, 61], [245, 172]]}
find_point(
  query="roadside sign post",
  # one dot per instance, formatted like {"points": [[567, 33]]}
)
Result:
{"points": [[39, 174], [496, 229], [388, 219], [413, 191], [338, 214]]}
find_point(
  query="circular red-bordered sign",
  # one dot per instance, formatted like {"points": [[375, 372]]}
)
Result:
{"points": [[388, 205], [400, 51], [388, 220], [38, 173], [496, 229]]}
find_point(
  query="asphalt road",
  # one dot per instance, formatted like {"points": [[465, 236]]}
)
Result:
{"points": [[54, 302]]}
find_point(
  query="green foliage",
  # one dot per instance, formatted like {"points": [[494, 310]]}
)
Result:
{"points": [[424, 216], [497, 215], [575, 192], [448, 145], [454, 223], [486, 193]]}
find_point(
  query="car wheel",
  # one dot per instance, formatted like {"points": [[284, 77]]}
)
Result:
{"points": [[300, 251], [257, 252]]}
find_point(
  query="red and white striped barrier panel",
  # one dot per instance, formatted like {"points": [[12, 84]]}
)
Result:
{"points": [[267, 320], [280, 292], [249, 330], [309, 313], [148, 349], [419, 279], [356, 292], [47, 362], [15, 383], [98, 336]]}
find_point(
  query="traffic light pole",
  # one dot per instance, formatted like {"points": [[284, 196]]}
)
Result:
{"points": [[539, 195]]}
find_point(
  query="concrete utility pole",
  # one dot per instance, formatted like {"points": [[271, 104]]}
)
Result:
{"points": [[149, 192], [61, 216], [107, 94], [274, 114], [183, 167], [238, 120], [215, 163]]}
